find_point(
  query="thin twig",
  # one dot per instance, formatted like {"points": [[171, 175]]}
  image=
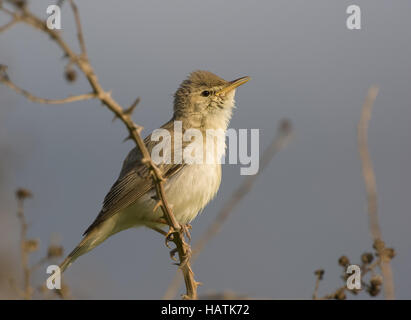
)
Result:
{"points": [[134, 133], [15, 18], [79, 29], [367, 168], [12, 283], [8, 25], [5, 10], [281, 139], [319, 276], [371, 189], [21, 195], [23, 251], [6, 81]]}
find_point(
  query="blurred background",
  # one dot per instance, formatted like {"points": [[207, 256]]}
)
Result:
{"points": [[305, 211]]}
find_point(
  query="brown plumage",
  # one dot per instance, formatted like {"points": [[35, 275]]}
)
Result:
{"points": [[203, 101]]}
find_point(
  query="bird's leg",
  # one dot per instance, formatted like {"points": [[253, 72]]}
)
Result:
{"points": [[184, 229], [169, 236], [158, 230], [155, 228], [162, 221]]}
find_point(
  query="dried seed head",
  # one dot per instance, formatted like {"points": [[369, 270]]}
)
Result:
{"points": [[319, 273], [54, 251], [379, 245], [340, 295], [376, 280], [390, 252], [31, 245], [3, 72], [367, 257], [70, 75], [22, 193], [285, 126], [21, 4], [343, 261], [374, 291]]}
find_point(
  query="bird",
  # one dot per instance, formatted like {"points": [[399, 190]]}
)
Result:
{"points": [[203, 102]]}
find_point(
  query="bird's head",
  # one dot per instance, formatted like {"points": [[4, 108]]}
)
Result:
{"points": [[206, 100]]}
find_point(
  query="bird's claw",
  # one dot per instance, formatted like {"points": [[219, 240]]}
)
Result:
{"points": [[173, 254], [169, 237]]}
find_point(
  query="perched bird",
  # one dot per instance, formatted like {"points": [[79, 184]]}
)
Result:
{"points": [[203, 102]]}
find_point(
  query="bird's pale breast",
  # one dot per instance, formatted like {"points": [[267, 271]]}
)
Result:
{"points": [[188, 192], [192, 189]]}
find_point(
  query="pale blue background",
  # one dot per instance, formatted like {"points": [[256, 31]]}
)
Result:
{"points": [[304, 212]]}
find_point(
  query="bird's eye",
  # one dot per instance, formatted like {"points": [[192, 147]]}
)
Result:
{"points": [[205, 93]]}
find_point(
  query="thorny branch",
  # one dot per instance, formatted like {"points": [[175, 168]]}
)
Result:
{"points": [[281, 139], [176, 232]]}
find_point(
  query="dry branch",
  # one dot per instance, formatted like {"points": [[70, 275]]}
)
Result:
{"points": [[371, 189], [8, 25], [28, 246], [383, 255], [176, 232], [4, 78]]}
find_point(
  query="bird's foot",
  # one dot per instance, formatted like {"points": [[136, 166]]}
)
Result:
{"points": [[169, 236], [184, 230]]}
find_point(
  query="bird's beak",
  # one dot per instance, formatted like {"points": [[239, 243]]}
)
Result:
{"points": [[232, 85]]}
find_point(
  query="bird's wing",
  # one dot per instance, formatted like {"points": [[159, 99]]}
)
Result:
{"points": [[134, 181]]}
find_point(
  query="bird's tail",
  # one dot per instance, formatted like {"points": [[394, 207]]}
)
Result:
{"points": [[92, 239]]}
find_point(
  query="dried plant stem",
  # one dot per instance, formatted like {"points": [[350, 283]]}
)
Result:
{"points": [[365, 269], [8, 25], [79, 29], [280, 140], [371, 189], [21, 195], [24, 253], [82, 62], [317, 286], [33, 98]]}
